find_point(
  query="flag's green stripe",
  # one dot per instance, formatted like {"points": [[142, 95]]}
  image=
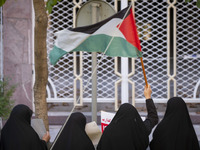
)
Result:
{"points": [[118, 47], [98, 43], [55, 54]]}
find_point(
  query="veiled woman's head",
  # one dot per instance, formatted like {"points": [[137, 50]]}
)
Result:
{"points": [[21, 112]]}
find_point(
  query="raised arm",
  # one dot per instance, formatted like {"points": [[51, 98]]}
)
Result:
{"points": [[152, 116]]}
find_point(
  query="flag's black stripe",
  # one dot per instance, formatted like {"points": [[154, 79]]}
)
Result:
{"points": [[92, 28]]}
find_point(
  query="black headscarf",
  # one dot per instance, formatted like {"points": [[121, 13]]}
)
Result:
{"points": [[125, 132], [17, 133], [175, 131], [73, 135]]}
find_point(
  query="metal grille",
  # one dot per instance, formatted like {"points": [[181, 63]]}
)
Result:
{"points": [[60, 75], [188, 50], [164, 61], [151, 18]]}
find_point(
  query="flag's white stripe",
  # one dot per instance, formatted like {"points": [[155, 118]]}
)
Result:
{"points": [[68, 40]]}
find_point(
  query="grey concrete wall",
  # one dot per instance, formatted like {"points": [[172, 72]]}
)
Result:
{"points": [[17, 41]]}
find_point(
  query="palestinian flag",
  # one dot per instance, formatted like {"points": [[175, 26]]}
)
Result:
{"points": [[116, 34]]}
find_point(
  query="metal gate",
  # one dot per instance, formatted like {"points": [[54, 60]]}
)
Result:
{"points": [[169, 32]]}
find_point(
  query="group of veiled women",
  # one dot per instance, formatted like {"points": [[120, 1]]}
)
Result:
{"points": [[127, 131]]}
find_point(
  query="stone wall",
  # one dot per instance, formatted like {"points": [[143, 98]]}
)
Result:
{"points": [[17, 41]]}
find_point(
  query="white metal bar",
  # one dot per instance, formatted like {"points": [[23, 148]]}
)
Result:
{"points": [[53, 87], [174, 48], [124, 68], [111, 100], [116, 94], [71, 100], [77, 5], [168, 50], [116, 71], [132, 70], [171, 77], [195, 89], [133, 91], [48, 91], [78, 77], [116, 4], [116, 67], [132, 67], [79, 101]]}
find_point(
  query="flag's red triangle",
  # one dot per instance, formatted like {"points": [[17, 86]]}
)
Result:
{"points": [[129, 30]]}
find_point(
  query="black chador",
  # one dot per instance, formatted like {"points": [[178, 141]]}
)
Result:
{"points": [[17, 133], [73, 135], [127, 131], [175, 131]]}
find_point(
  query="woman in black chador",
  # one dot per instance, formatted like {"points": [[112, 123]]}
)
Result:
{"points": [[73, 135], [17, 134], [127, 131], [175, 131]]}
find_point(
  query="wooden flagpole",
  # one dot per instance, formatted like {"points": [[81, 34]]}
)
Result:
{"points": [[145, 78]]}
